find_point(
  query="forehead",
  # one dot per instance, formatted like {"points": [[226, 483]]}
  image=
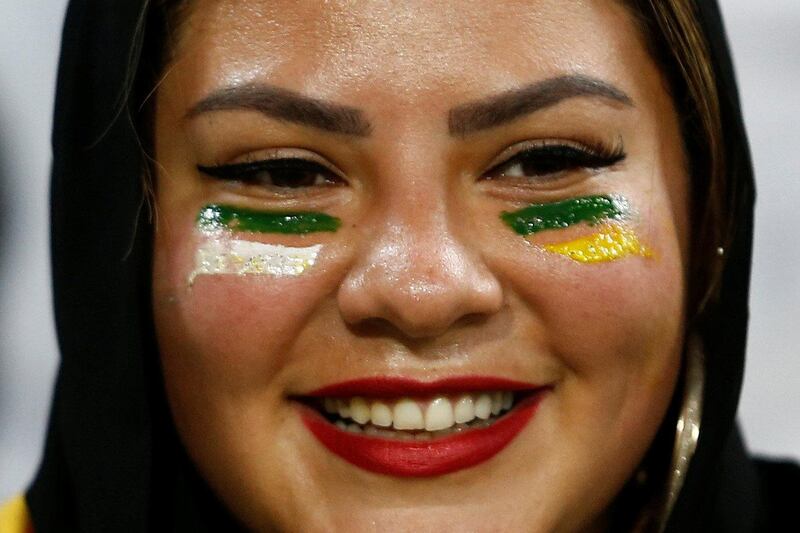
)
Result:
{"points": [[404, 51]]}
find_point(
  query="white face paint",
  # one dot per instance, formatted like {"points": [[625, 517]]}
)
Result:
{"points": [[220, 253], [623, 206]]}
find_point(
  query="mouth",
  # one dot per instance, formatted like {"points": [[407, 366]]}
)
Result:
{"points": [[407, 428]]}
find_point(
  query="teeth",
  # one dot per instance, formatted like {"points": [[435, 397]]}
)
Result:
{"points": [[483, 406], [388, 433], [497, 403], [381, 414], [359, 410], [408, 415], [438, 416], [508, 400], [402, 435], [330, 406], [344, 408], [464, 409]]}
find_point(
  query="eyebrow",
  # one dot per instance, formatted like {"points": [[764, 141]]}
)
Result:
{"points": [[490, 112], [283, 104], [505, 107]]}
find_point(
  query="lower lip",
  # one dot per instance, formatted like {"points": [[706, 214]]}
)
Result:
{"points": [[434, 457]]}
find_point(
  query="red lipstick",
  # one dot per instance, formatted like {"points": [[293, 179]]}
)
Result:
{"points": [[434, 457], [390, 386]]}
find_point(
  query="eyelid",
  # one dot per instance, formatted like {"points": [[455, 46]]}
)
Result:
{"points": [[274, 154], [592, 147], [242, 171]]}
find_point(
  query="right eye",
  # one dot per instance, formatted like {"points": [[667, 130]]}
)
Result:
{"points": [[544, 161], [282, 173]]}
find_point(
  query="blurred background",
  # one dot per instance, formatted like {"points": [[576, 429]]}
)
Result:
{"points": [[765, 37]]}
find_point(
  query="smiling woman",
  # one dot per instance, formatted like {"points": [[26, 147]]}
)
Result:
{"points": [[411, 266], [431, 354]]}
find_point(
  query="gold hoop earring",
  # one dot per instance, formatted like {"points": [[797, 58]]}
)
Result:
{"points": [[687, 429]]}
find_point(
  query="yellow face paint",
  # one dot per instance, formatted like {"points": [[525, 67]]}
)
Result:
{"points": [[609, 243], [611, 238]]}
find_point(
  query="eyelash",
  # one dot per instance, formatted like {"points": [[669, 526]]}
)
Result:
{"points": [[281, 173], [550, 161]]}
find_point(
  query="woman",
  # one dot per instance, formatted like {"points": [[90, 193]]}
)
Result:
{"points": [[455, 267]]}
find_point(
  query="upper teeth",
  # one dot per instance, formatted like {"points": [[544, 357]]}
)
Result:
{"points": [[437, 413]]}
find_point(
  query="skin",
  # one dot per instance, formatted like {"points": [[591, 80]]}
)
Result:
{"points": [[423, 279]]}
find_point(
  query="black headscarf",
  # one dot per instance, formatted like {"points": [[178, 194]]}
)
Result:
{"points": [[112, 460]]}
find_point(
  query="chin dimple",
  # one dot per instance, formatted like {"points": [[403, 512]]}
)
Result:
{"points": [[411, 418]]}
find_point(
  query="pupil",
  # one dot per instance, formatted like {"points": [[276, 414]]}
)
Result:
{"points": [[292, 178], [543, 165]]}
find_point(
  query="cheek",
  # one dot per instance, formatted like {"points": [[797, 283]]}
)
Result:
{"points": [[236, 326], [603, 319], [616, 326], [608, 296]]}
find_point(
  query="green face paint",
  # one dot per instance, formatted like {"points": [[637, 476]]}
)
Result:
{"points": [[589, 209], [610, 242], [215, 217]]}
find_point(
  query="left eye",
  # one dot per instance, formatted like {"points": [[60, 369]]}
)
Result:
{"points": [[286, 173], [548, 160]]}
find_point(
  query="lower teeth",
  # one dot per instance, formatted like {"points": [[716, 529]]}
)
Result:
{"points": [[375, 431]]}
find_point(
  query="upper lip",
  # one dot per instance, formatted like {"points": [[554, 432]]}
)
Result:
{"points": [[402, 386]]}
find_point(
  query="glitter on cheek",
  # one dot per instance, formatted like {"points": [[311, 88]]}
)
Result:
{"points": [[590, 210], [223, 254], [220, 252], [608, 243], [607, 215], [214, 217]]}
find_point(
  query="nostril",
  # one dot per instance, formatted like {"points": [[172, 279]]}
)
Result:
{"points": [[395, 328], [402, 327], [375, 327], [417, 310], [472, 320]]}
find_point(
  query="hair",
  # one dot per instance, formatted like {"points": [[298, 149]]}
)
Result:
{"points": [[675, 38]]}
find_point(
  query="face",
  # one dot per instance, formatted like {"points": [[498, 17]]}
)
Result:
{"points": [[418, 266]]}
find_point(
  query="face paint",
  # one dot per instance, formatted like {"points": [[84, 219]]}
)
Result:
{"points": [[234, 256], [215, 217], [612, 241], [590, 209], [221, 253]]}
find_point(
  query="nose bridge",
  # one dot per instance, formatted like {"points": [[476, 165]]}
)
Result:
{"points": [[416, 254], [413, 272]]}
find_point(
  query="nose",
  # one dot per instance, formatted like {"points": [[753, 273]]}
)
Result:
{"points": [[415, 275]]}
